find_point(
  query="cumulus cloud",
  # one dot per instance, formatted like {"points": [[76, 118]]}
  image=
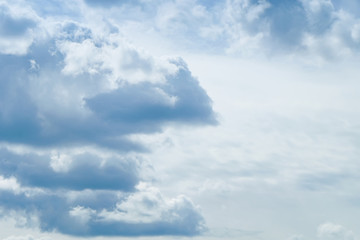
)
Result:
{"points": [[105, 213], [74, 86], [181, 99], [75, 89], [86, 194]]}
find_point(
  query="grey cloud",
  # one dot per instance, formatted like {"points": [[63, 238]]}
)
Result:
{"points": [[144, 103], [301, 26], [51, 98], [131, 108], [55, 212], [286, 22], [85, 171], [81, 199], [289, 21], [51, 209], [258, 26]]}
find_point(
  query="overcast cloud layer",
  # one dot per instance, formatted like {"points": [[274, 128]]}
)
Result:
{"points": [[231, 119]]}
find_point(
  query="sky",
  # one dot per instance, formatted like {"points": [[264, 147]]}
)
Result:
{"points": [[179, 119]]}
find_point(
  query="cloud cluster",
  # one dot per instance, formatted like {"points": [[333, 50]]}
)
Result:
{"points": [[66, 86], [92, 212], [321, 29], [317, 28]]}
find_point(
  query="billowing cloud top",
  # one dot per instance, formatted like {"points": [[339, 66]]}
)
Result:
{"points": [[72, 88]]}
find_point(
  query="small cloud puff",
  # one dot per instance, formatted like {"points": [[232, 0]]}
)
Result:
{"points": [[331, 231]]}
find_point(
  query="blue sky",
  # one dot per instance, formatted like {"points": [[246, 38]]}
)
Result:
{"points": [[179, 119]]}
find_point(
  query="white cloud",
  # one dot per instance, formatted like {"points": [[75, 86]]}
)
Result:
{"points": [[355, 32], [17, 27], [238, 14], [60, 162], [149, 205], [9, 184], [82, 214], [331, 231], [124, 62], [317, 6]]}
